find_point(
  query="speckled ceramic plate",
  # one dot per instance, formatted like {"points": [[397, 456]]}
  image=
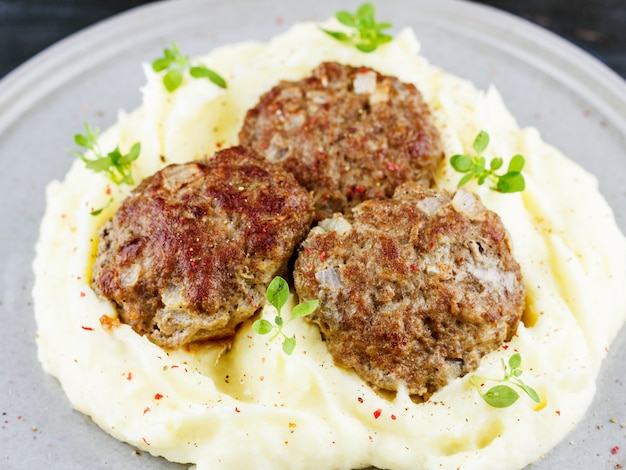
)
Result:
{"points": [[578, 104]]}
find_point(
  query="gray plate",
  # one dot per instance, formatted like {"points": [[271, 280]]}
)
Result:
{"points": [[578, 104]]}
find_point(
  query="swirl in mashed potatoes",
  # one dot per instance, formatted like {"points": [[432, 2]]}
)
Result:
{"points": [[203, 405]]}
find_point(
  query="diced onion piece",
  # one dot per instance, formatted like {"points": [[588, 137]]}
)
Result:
{"points": [[337, 224], [469, 204], [365, 82], [329, 277], [431, 205], [379, 95]]}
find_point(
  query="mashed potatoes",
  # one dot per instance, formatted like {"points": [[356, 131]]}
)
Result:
{"points": [[253, 403]]}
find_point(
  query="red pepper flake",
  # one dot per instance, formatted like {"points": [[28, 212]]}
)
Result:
{"points": [[322, 256], [145, 441], [237, 410], [308, 251], [129, 376], [360, 399], [193, 263], [174, 366], [146, 410], [363, 70], [391, 166], [393, 417], [431, 244], [371, 438], [108, 190], [158, 396], [313, 120], [377, 413], [505, 346], [219, 144], [615, 450], [87, 328], [413, 267], [558, 412], [82, 294], [320, 152]]}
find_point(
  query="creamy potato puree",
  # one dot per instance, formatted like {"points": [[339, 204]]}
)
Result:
{"points": [[221, 409]]}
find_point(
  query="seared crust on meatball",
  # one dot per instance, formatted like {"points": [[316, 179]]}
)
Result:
{"points": [[346, 133], [189, 253], [415, 290]]}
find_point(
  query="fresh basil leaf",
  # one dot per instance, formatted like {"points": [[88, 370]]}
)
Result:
{"points": [[262, 326], [500, 396], [481, 142], [277, 293], [289, 344], [304, 309], [172, 80]]}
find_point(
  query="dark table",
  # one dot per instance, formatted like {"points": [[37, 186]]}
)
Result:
{"points": [[29, 26]]}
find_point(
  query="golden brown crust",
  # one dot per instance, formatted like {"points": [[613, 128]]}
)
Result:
{"points": [[189, 253], [347, 133], [416, 292]]}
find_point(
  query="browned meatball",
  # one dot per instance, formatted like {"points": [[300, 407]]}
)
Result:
{"points": [[415, 290], [346, 133], [190, 252]]}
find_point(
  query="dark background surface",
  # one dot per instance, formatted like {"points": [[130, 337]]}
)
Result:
{"points": [[29, 26]]}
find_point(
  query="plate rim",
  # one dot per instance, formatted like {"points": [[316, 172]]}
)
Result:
{"points": [[23, 87]]}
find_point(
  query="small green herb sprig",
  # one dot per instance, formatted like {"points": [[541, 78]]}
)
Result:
{"points": [[115, 164], [175, 64], [368, 33], [277, 294], [101, 209], [502, 396], [475, 168]]}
